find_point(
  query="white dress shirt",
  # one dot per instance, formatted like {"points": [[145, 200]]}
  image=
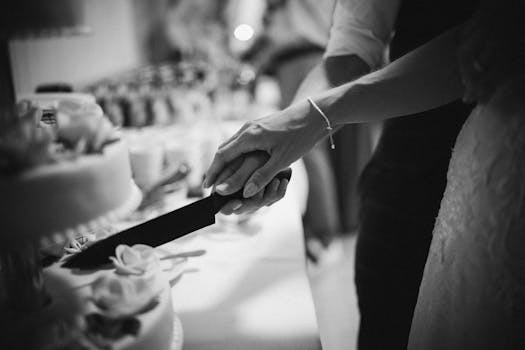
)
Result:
{"points": [[363, 28], [301, 22]]}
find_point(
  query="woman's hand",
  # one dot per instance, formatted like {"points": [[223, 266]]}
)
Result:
{"points": [[284, 136], [491, 48], [235, 175]]}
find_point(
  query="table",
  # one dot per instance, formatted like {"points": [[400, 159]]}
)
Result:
{"points": [[249, 290]]}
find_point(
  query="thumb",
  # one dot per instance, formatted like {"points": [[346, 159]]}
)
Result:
{"points": [[260, 178]]}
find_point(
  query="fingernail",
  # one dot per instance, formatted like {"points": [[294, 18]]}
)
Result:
{"points": [[250, 190], [221, 188], [236, 205]]}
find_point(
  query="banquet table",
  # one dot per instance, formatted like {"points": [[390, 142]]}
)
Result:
{"points": [[248, 288]]}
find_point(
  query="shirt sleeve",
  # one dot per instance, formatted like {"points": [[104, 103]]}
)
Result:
{"points": [[364, 28]]}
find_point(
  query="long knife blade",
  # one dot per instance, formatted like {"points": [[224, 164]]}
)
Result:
{"points": [[160, 230]]}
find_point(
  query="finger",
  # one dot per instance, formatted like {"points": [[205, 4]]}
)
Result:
{"points": [[234, 136], [252, 204], [274, 194], [270, 193], [281, 191], [260, 178], [264, 198], [217, 166], [243, 144], [230, 207], [229, 170], [222, 157], [237, 180]]}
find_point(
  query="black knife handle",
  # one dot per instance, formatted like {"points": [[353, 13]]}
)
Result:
{"points": [[219, 201]]}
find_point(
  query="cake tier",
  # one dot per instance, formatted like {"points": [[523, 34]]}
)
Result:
{"points": [[69, 197], [71, 320]]}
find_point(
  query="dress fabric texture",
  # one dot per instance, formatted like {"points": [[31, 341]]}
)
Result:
{"points": [[401, 189]]}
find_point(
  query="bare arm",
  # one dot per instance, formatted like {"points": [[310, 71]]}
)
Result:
{"points": [[426, 78], [331, 72], [423, 79]]}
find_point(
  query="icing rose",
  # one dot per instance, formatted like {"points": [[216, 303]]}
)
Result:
{"points": [[119, 296], [31, 140], [137, 260], [83, 126]]}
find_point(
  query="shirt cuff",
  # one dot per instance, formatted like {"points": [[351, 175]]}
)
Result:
{"points": [[360, 42]]}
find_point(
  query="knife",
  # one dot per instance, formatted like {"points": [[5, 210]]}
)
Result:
{"points": [[160, 230]]}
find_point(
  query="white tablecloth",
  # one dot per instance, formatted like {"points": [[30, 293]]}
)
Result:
{"points": [[249, 290]]}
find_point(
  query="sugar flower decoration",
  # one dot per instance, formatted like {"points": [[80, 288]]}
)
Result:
{"points": [[118, 296], [83, 126], [137, 260]]}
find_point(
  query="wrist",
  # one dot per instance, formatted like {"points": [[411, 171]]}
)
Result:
{"points": [[327, 102], [328, 125]]}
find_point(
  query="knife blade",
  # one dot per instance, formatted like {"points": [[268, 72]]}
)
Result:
{"points": [[160, 230]]}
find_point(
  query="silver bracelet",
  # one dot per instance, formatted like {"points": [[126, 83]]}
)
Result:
{"points": [[329, 126]]}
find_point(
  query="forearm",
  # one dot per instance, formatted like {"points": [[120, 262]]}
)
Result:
{"points": [[426, 78], [331, 72]]}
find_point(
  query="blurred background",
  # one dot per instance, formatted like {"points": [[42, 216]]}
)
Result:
{"points": [[162, 62], [178, 77]]}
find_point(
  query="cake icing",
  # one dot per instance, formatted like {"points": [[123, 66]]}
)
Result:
{"points": [[58, 193], [103, 309], [65, 177]]}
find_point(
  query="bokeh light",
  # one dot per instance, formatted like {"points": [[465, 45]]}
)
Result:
{"points": [[243, 32]]}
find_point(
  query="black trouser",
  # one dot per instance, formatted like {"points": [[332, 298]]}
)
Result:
{"points": [[390, 257], [401, 190]]}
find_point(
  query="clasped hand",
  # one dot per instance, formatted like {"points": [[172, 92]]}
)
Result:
{"points": [[251, 158]]}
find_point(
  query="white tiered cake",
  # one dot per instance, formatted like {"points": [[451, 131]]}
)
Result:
{"points": [[63, 181]]}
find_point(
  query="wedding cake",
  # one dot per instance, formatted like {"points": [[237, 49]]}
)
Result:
{"points": [[64, 175]]}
